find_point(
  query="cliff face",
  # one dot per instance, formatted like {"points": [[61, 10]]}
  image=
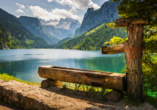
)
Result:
{"points": [[88, 11], [107, 13]]}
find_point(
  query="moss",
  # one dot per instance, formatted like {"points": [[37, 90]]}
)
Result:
{"points": [[7, 77]]}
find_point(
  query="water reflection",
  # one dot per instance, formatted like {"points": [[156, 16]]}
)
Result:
{"points": [[24, 63]]}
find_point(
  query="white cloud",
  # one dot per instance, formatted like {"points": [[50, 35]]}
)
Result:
{"points": [[79, 4], [19, 10], [20, 6], [73, 10], [54, 14], [49, 0]]}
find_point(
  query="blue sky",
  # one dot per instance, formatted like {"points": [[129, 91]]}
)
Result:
{"points": [[50, 9]]}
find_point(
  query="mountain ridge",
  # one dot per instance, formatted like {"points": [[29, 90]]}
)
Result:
{"points": [[14, 35], [35, 27], [63, 28], [107, 13]]}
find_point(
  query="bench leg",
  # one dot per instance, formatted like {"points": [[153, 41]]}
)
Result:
{"points": [[48, 83]]}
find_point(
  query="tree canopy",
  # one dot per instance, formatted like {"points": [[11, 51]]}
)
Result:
{"points": [[138, 9]]}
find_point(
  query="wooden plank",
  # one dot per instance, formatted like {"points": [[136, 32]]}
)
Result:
{"points": [[123, 22], [87, 77], [119, 48]]}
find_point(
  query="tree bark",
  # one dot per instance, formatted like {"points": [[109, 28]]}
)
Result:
{"points": [[133, 51]]}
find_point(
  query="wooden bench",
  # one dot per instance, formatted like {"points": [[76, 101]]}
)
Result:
{"points": [[55, 75]]}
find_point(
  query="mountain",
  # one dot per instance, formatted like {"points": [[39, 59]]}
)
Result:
{"points": [[62, 28], [35, 27], [107, 13], [68, 23], [14, 35], [59, 33], [94, 39]]}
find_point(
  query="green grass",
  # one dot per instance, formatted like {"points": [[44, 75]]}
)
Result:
{"points": [[96, 91], [7, 77]]}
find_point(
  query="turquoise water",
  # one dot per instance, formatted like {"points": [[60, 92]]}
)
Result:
{"points": [[24, 63]]}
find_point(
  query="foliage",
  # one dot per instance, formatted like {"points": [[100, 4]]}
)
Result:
{"points": [[97, 91], [150, 61], [150, 75], [111, 25], [116, 40], [3, 38], [7, 77], [150, 40], [64, 40], [137, 9]]}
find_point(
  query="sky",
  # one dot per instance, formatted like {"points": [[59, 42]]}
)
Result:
{"points": [[50, 9]]}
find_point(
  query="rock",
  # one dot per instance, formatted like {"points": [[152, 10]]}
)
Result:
{"points": [[88, 11], [2, 81], [37, 98], [113, 96]]}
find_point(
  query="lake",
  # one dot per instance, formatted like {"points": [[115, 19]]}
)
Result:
{"points": [[24, 63]]}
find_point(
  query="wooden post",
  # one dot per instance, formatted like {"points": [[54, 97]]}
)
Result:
{"points": [[133, 51], [48, 83]]}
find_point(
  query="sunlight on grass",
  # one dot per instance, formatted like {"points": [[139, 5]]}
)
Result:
{"points": [[7, 77], [94, 30]]}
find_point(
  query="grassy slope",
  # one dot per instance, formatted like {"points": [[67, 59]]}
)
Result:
{"points": [[6, 77], [94, 39]]}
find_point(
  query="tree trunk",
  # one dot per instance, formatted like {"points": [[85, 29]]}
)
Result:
{"points": [[133, 52]]}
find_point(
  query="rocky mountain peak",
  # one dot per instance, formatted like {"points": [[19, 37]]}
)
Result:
{"points": [[88, 11], [67, 23], [107, 13]]}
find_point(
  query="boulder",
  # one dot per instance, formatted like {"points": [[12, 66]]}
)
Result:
{"points": [[113, 96]]}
